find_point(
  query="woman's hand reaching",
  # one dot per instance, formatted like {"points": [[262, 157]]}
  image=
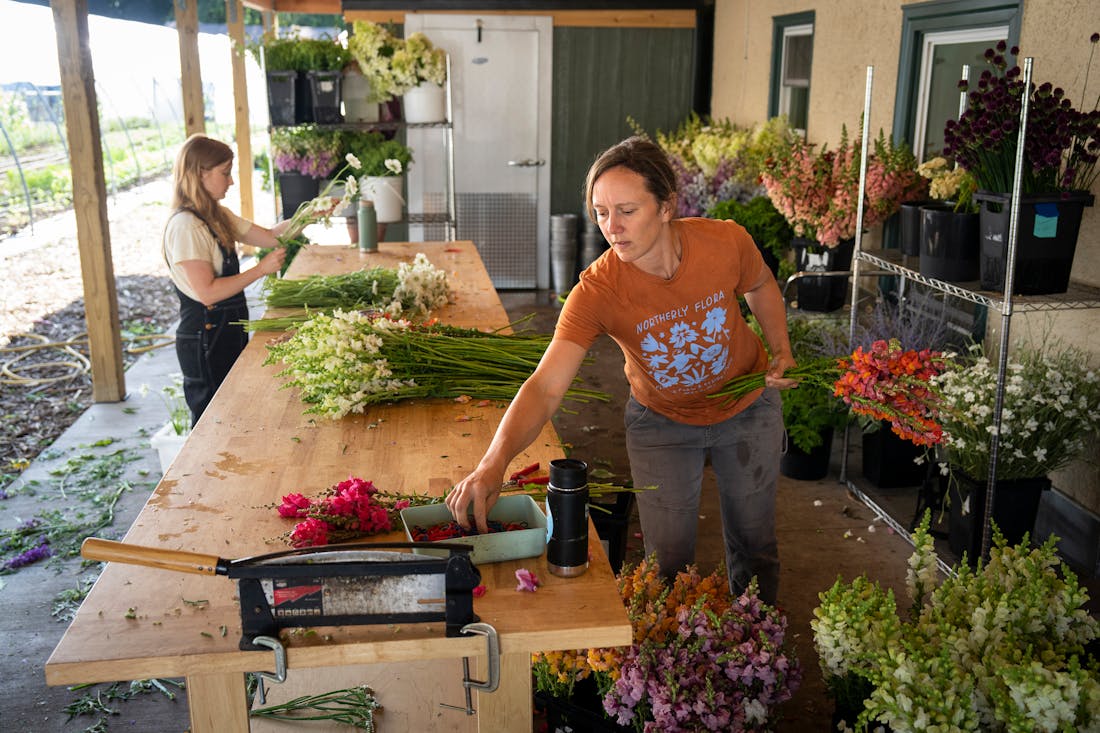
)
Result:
{"points": [[272, 262], [478, 491]]}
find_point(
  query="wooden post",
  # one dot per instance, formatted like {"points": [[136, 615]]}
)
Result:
{"points": [[234, 13], [187, 27], [93, 235]]}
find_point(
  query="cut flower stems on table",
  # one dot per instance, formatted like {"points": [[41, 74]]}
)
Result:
{"points": [[412, 289], [344, 362]]}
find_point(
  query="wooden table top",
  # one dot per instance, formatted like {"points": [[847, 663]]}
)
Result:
{"points": [[252, 446]]}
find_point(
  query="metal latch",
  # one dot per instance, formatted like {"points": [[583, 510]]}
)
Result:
{"points": [[279, 675], [492, 642]]}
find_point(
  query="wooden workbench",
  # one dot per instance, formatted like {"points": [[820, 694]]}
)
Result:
{"points": [[252, 446]]}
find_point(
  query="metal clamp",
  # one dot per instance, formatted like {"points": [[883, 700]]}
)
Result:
{"points": [[492, 642], [279, 675]]}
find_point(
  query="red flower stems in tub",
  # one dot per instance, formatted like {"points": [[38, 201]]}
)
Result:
{"points": [[451, 530]]}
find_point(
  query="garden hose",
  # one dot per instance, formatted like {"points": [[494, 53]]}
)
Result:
{"points": [[11, 372]]}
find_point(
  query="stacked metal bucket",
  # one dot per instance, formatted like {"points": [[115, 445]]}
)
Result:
{"points": [[565, 256]]}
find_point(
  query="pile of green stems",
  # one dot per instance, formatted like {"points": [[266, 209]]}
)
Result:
{"points": [[346, 290]]}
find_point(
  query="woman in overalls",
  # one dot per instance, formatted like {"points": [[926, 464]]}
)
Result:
{"points": [[200, 247]]}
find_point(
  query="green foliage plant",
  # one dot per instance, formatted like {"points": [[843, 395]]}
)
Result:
{"points": [[276, 52], [768, 228], [322, 54], [374, 164]]}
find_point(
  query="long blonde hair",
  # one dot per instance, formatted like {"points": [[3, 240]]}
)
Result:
{"points": [[198, 154]]}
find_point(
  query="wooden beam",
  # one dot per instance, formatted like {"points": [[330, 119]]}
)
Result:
{"points": [[187, 26], [616, 18], [561, 18], [234, 13], [93, 235]]}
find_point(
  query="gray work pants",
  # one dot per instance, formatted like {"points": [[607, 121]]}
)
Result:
{"points": [[744, 452]]}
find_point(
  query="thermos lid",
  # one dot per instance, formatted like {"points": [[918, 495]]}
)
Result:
{"points": [[568, 473], [366, 202]]}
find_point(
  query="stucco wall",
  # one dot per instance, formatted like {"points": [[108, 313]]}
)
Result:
{"points": [[849, 35]]}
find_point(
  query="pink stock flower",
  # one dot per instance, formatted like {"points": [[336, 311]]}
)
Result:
{"points": [[294, 505], [528, 581], [346, 511], [818, 193], [310, 533]]}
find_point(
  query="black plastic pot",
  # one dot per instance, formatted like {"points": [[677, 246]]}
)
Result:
{"points": [[1046, 240], [948, 243], [1015, 505], [822, 294], [798, 464], [324, 88], [281, 96]]}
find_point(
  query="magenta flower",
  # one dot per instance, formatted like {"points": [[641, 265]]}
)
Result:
{"points": [[528, 581]]}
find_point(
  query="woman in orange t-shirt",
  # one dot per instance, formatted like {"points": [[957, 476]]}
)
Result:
{"points": [[667, 292]]}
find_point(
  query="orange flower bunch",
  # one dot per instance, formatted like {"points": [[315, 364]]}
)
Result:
{"points": [[558, 671], [892, 384], [653, 605]]}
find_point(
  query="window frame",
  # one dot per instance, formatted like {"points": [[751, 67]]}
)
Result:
{"points": [[781, 25], [937, 16]]}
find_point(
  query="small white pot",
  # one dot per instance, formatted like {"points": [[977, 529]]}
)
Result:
{"points": [[425, 103], [386, 193], [167, 445]]}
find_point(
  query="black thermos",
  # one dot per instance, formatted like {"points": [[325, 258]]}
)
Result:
{"points": [[567, 509]]}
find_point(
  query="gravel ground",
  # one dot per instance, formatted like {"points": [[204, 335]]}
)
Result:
{"points": [[43, 301]]}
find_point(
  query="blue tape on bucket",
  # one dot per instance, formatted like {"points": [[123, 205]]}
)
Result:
{"points": [[1046, 221]]}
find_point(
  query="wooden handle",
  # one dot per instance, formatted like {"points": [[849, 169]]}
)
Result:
{"points": [[94, 548]]}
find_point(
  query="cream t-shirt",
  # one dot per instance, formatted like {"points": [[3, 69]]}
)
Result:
{"points": [[186, 237]]}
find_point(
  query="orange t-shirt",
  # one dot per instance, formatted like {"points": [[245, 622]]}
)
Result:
{"points": [[683, 338]]}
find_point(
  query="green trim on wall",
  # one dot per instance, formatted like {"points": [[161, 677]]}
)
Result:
{"points": [[920, 19], [779, 24], [602, 76]]}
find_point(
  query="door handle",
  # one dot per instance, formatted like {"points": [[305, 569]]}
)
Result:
{"points": [[527, 163]]}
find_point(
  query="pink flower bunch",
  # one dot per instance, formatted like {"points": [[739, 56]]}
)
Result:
{"points": [[718, 671], [889, 383], [316, 165], [818, 193], [349, 509], [305, 149]]}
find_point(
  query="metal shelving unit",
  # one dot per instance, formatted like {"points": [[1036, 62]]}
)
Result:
{"points": [[449, 218], [1076, 297]]}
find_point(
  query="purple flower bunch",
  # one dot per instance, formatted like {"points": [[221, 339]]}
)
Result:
{"points": [[699, 193], [718, 671], [306, 150], [1062, 145], [25, 544]]}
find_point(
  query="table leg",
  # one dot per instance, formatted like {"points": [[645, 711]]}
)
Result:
{"points": [[218, 702], [509, 707]]}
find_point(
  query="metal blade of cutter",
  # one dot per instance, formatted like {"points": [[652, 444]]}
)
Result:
{"points": [[363, 593]]}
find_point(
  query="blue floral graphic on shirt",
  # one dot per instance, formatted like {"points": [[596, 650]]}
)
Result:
{"points": [[682, 354]]}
